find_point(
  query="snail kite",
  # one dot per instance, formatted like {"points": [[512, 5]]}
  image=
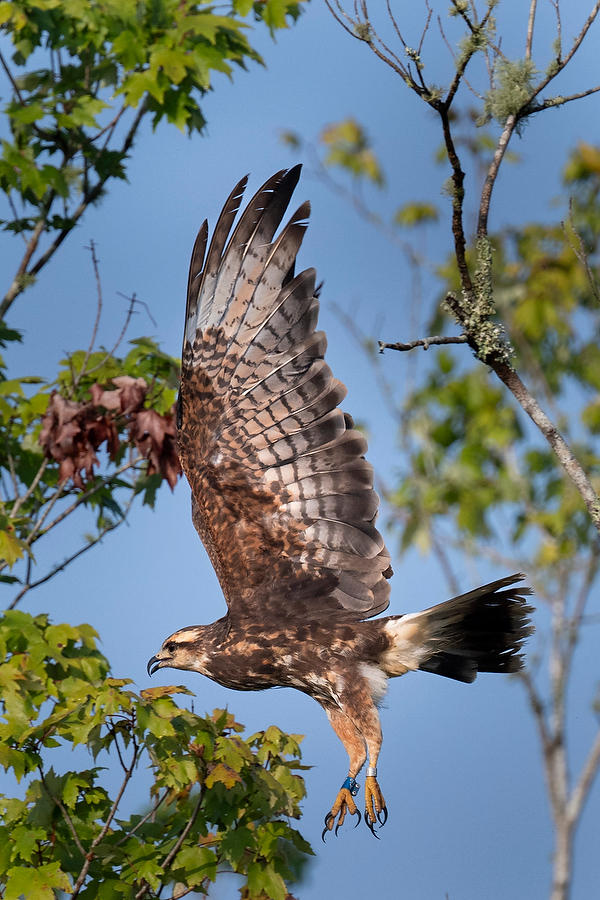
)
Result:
{"points": [[283, 500]]}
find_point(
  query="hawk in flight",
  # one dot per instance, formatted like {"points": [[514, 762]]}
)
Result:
{"points": [[283, 500]]}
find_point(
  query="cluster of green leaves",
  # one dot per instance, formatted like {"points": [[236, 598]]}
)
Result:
{"points": [[82, 77], [35, 498], [160, 53], [218, 800], [472, 463]]}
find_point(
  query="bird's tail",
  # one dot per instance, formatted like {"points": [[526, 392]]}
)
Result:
{"points": [[481, 631]]}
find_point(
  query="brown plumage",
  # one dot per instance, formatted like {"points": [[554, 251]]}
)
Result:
{"points": [[283, 500]]}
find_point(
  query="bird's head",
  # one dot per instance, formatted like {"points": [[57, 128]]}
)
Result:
{"points": [[185, 649]]}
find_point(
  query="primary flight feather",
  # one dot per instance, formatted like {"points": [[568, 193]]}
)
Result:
{"points": [[283, 500]]}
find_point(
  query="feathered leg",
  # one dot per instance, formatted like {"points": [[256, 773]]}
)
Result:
{"points": [[354, 743], [366, 718], [357, 726]]}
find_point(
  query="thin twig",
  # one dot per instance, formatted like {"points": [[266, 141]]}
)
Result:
{"points": [[88, 352], [426, 343], [563, 452], [63, 565], [581, 252], [64, 812], [151, 812], [90, 196], [24, 497], [177, 846], [85, 495], [581, 790], [556, 5], [104, 831], [555, 102], [530, 26], [565, 60]]}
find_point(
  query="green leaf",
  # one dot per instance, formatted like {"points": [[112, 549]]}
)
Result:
{"points": [[11, 548], [412, 214], [39, 882], [263, 879]]}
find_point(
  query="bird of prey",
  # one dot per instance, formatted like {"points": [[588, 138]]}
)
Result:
{"points": [[283, 500]]}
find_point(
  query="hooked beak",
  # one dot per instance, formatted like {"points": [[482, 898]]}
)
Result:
{"points": [[153, 665]]}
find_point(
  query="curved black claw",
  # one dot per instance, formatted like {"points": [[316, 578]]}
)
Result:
{"points": [[357, 813], [382, 816], [370, 825], [328, 819]]}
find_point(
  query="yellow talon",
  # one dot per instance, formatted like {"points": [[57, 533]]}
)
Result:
{"points": [[344, 803], [375, 808]]}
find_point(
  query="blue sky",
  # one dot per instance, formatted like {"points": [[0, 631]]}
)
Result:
{"points": [[460, 766]]}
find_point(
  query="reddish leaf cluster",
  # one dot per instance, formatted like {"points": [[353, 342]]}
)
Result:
{"points": [[72, 432]]}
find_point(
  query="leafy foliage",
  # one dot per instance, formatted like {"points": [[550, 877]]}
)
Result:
{"points": [[472, 462], [348, 147], [51, 435], [217, 798], [83, 76]]}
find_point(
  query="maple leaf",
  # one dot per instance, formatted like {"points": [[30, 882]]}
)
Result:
{"points": [[154, 436]]}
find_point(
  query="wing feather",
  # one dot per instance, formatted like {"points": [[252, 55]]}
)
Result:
{"points": [[282, 496]]}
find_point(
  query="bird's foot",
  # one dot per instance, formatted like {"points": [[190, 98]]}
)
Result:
{"points": [[344, 803], [375, 808]]}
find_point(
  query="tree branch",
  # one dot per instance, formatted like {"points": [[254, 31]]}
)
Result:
{"points": [[563, 452], [553, 102], [492, 174], [426, 343], [59, 568], [581, 791], [562, 62], [104, 831], [17, 287], [530, 26], [177, 846]]}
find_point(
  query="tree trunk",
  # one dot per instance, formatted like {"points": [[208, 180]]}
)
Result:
{"points": [[561, 870]]}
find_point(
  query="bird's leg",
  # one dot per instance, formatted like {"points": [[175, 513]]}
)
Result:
{"points": [[375, 808], [354, 743]]}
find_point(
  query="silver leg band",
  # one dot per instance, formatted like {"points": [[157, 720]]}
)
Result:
{"points": [[371, 771]]}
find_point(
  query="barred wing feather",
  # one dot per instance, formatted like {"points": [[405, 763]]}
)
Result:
{"points": [[282, 496]]}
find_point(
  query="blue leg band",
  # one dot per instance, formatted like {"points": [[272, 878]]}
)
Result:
{"points": [[351, 785]]}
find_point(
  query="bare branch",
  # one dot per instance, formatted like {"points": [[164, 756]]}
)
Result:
{"points": [[88, 352], [492, 174], [556, 5], [151, 812], [563, 452], [563, 61], [582, 789], [85, 495], [17, 287], [426, 343], [458, 196], [63, 565], [555, 102], [24, 497], [530, 26]]}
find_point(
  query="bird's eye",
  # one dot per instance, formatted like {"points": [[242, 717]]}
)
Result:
{"points": [[170, 647]]}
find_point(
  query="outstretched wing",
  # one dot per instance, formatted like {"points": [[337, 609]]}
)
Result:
{"points": [[282, 496]]}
